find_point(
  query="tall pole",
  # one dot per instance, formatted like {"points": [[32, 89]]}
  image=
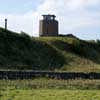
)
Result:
{"points": [[5, 24]]}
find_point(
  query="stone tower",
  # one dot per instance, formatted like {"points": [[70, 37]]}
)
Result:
{"points": [[48, 26]]}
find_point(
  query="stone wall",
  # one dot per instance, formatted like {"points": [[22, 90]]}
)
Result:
{"points": [[56, 75]]}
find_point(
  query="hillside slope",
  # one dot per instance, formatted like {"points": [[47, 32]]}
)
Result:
{"points": [[19, 51]]}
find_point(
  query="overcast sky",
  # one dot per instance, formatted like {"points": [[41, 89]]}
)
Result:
{"points": [[80, 17]]}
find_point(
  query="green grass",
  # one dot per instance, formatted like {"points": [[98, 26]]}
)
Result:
{"points": [[21, 52], [50, 94], [43, 83], [49, 89]]}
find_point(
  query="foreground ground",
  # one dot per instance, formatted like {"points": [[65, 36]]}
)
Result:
{"points": [[50, 94], [50, 89]]}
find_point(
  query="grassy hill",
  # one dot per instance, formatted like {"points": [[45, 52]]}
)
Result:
{"points": [[20, 51]]}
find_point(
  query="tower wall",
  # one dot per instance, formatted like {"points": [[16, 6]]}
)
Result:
{"points": [[48, 28]]}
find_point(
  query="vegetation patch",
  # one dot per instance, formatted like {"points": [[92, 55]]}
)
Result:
{"points": [[22, 52], [50, 94]]}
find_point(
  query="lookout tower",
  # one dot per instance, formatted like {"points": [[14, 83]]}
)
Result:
{"points": [[48, 26]]}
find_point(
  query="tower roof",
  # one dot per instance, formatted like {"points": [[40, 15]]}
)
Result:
{"points": [[49, 17]]}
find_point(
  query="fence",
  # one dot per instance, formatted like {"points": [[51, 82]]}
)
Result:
{"points": [[57, 75]]}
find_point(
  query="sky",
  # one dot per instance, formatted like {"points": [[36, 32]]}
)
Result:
{"points": [[78, 17]]}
